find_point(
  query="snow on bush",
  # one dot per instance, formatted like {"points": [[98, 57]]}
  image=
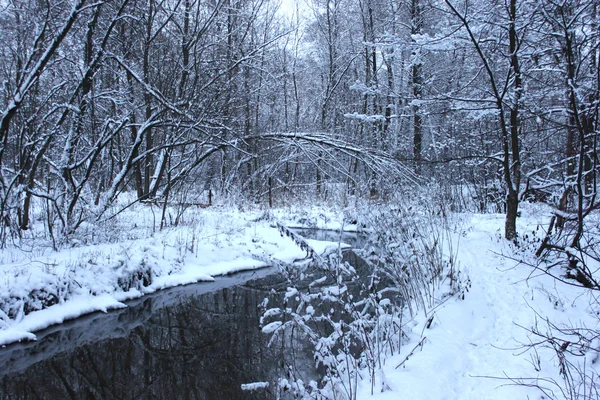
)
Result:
{"points": [[353, 313], [255, 386]]}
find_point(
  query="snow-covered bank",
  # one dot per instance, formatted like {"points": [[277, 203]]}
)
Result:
{"points": [[470, 339], [40, 287], [477, 348]]}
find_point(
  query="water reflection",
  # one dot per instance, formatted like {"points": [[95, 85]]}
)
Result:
{"points": [[357, 240], [195, 342]]}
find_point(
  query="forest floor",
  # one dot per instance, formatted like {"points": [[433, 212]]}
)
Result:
{"points": [[476, 346], [479, 347]]}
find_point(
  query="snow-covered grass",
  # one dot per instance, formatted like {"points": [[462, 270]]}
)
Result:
{"points": [[352, 313], [485, 321], [128, 257], [319, 217]]}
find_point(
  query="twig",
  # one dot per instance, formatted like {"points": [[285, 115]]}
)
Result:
{"points": [[412, 352]]}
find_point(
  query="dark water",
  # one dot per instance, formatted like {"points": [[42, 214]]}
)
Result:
{"points": [[194, 342], [354, 239], [200, 341]]}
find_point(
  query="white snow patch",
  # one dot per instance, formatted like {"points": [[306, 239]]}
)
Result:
{"points": [[321, 246], [473, 345], [57, 314], [255, 385], [272, 327], [13, 335]]}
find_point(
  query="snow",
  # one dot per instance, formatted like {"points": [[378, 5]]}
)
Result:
{"points": [[314, 217], [272, 327], [36, 321], [475, 347], [41, 287], [255, 385], [321, 246], [12, 335], [468, 348], [365, 118]]}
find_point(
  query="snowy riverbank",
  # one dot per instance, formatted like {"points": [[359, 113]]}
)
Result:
{"points": [[476, 346], [40, 287]]}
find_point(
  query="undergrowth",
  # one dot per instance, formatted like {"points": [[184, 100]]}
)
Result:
{"points": [[354, 309]]}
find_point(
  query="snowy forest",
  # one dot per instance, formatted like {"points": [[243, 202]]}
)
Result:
{"points": [[160, 98], [146, 144]]}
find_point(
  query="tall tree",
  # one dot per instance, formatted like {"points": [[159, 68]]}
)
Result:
{"points": [[505, 88]]}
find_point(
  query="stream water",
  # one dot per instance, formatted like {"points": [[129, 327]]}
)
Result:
{"points": [[200, 341]]}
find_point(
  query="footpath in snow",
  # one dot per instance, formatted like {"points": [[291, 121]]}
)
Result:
{"points": [[476, 348]]}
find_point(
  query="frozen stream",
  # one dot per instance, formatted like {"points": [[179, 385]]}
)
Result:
{"points": [[200, 341]]}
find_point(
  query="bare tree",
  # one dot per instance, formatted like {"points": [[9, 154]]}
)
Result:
{"points": [[505, 89]]}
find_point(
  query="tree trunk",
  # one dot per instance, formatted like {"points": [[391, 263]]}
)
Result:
{"points": [[417, 84]]}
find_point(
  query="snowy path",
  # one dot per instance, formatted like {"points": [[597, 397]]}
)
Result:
{"points": [[478, 338]]}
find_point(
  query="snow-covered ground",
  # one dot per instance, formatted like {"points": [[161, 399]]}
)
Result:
{"points": [[476, 348], [472, 348], [40, 287]]}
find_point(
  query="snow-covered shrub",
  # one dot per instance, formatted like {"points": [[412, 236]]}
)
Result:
{"points": [[352, 308], [576, 349]]}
